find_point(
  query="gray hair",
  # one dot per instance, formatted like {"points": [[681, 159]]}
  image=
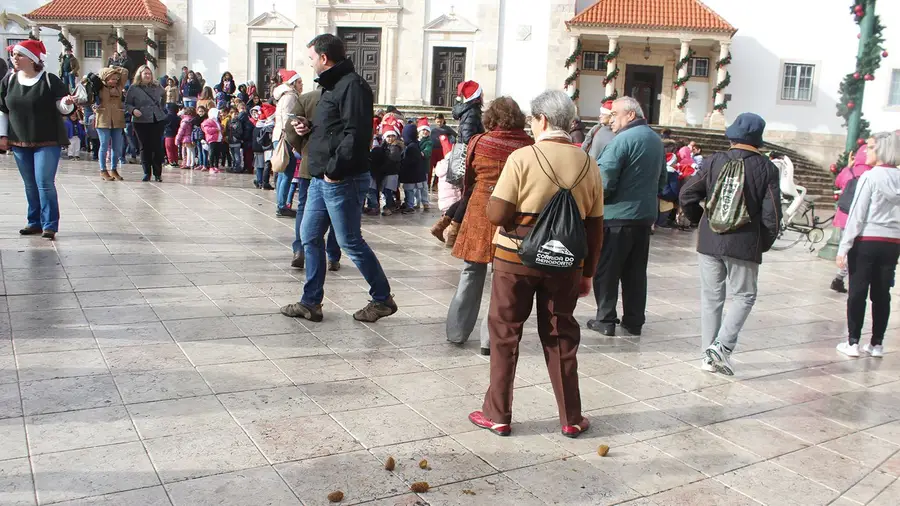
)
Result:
{"points": [[887, 148], [630, 104], [557, 107]]}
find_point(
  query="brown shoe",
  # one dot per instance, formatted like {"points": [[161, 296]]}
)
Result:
{"points": [[334, 266], [115, 174], [300, 310], [31, 231], [375, 311], [106, 177], [49, 234], [452, 232], [298, 261], [437, 230]]}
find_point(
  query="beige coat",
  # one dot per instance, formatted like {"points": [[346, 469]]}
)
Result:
{"points": [[111, 111]]}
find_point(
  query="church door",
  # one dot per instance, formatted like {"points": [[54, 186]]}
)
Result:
{"points": [[270, 58], [363, 47], [447, 71]]}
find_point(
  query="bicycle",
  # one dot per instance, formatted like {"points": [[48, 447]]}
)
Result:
{"points": [[803, 224]]}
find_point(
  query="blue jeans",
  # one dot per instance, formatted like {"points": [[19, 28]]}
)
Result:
{"points": [[283, 183], [236, 159], [38, 169], [338, 205], [332, 250], [69, 79], [262, 175], [190, 102], [107, 136]]}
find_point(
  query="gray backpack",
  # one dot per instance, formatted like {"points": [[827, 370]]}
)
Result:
{"points": [[726, 209]]}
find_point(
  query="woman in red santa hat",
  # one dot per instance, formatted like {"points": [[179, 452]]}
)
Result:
{"points": [[32, 105]]}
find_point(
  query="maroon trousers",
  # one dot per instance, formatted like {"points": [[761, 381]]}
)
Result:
{"points": [[511, 301]]}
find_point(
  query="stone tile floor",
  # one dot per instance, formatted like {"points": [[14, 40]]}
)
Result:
{"points": [[143, 362]]}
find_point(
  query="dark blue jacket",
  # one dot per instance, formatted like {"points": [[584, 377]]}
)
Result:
{"points": [[172, 122]]}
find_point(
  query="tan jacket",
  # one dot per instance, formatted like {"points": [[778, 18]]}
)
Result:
{"points": [[286, 98], [111, 111], [305, 107]]}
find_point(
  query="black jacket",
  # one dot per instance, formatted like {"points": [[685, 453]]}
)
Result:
{"points": [[342, 126], [172, 123], [246, 127], [761, 196], [469, 116]]}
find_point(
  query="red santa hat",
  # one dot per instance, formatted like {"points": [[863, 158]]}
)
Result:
{"points": [[422, 124], [390, 127], [606, 108], [33, 49], [446, 147], [468, 91], [288, 76], [266, 111]]}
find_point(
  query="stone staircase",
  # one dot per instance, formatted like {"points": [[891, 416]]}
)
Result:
{"points": [[817, 180]]}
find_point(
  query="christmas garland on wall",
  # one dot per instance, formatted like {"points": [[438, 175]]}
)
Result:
{"points": [[113, 38], [681, 81], [852, 86], [610, 76], [612, 56], [615, 95], [720, 64], [149, 58], [66, 43], [573, 60]]}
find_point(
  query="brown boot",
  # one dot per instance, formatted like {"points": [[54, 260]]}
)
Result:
{"points": [[437, 230], [452, 232], [106, 177], [115, 174]]}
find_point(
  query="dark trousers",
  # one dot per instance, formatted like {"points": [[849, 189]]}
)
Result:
{"points": [[872, 265], [457, 210], [512, 296], [216, 154], [624, 257], [152, 152], [247, 149], [94, 148]]}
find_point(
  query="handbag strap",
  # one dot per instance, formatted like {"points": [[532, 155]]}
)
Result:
{"points": [[555, 179]]}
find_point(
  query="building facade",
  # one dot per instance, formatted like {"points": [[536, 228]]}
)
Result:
{"points": [[786, 58]]}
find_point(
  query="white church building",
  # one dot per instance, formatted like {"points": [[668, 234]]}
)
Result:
{"points": [[781, 59]]}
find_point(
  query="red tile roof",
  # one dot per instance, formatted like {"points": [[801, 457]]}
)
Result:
{"points": [[692, 15], [102, 10]]}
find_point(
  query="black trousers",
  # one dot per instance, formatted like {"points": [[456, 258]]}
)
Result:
{"points": [[623, 257], [871, 265], [153, 152], [216, 154]]}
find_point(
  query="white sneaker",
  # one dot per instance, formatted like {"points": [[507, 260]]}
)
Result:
{"points": [[851, 350], [720, 359], [875, 351], [707, 365]]}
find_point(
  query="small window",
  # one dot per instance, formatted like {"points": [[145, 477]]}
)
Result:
{"points": [[699, 67], [798, 82], [93, 48], [591, 60], [894, 96], [161, 50]]}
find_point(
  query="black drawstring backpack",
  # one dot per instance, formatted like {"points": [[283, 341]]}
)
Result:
{"points": [[558, 241]]}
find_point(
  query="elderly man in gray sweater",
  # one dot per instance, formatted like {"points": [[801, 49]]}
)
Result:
{"points": [[601, 134]]}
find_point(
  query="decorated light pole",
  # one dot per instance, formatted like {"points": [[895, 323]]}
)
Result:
{"points": [[852, 89]]}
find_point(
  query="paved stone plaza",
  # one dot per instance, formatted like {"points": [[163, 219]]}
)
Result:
{"points": [[143, 362]]}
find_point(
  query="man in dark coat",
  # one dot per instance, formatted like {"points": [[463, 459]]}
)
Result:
{"points": [[340, 137], [732, 259]]}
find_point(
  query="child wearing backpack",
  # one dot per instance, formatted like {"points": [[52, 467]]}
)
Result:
{"points": [[846, 182], [235, 134], [385, 166], [170, 132], [262, 144], [184, 139], [212, 132]]}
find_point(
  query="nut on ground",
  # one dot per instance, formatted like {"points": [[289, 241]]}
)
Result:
{"points": [[419, 487], [423, 464], [336, 496], [389, 464], [602, 450]]}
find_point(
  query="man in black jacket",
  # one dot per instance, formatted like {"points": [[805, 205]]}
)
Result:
{"points": [[338, 160], [732, 258]]}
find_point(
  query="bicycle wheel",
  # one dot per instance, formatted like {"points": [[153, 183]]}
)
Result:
{"points": [[793, 232]]}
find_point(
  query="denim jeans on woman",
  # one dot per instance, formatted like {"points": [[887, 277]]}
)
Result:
{"points": [[37, 166], [111, 137], [338, 205], [332, 250], [283, 182]]}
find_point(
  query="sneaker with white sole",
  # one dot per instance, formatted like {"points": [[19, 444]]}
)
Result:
{"points": [[876, 351], [851, 350], [720, 358], [707, 365]]}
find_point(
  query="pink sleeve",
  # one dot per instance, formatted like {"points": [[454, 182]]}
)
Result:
{"points": [[843, 178]]}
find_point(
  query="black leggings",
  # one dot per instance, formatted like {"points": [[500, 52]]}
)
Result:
{"points": [[457, 211], [216, 154], [150, 135], [871, 265]]}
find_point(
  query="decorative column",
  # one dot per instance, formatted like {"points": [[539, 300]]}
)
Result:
{"points": [[390, 74], [64, 31], [679, 118], [35, 32], [151, 49], [723, 79], [120, 34], [612, 69], [571, 82]]}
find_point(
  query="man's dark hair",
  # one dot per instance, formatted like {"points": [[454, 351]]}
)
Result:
{"points": [[390, 108], [440, 115], [330, 46]]}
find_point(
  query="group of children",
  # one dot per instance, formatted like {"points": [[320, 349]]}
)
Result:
{"points": [[401, 155], [682, 161]]}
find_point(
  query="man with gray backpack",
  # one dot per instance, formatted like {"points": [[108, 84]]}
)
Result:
{"points": [[740, 222]]}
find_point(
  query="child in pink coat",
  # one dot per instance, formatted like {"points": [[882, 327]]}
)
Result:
{"points": [[212, 132], [855, 170], [183, 138], [448, 194]]}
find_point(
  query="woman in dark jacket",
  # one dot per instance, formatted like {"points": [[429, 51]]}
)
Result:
{"points": [[468, 110], [413, 170], [32, 105], [227, 86], [190, 89], [144, 102]]}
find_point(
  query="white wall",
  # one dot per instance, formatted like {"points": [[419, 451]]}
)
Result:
{"points": [[521, 72], [208, 54], [13, 31], [818, 31]]}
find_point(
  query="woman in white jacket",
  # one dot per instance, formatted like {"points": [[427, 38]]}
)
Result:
{"points": [[287, 97], [870, 246]]}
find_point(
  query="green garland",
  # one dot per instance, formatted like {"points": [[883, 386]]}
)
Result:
{"points": [[853, 85], [614, 96], [572, 77], [575, 54], [684, 101], [684, 61], [681, 81], [612, 56], [724, 61], [721, 107], [721, 86], [576, 94], [121, 41], [150, 42], [67, 44], [149, 58], [610, 76]]}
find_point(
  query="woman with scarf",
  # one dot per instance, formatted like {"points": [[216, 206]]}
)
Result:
{"points": [[486, 156], [110, 109], [32, 105]]}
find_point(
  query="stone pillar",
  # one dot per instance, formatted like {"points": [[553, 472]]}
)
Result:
{"points": [[678, 116], [64, 29], [36, 31], [151, 34], [573, 44], [120, 33], [612, 66], [390, 68], [717, 118]]}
